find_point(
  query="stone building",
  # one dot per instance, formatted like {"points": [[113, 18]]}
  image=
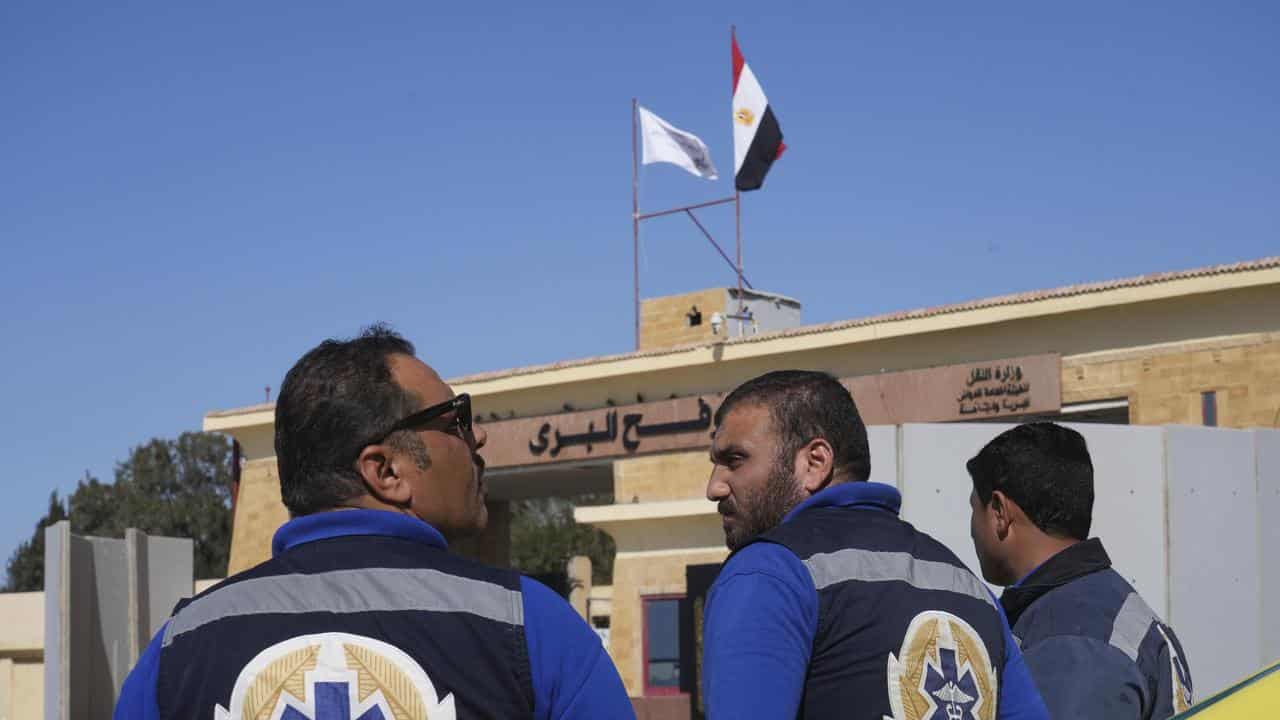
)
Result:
{"points": [[1199, 347]]}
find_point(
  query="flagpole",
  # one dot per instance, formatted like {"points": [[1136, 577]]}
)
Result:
{"points": [[635, 220], [737, 196], [737, 221]]}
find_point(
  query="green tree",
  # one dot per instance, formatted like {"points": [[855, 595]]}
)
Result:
{"points": [[179, 488], [544, 536], [175, 488], [26, 565]]}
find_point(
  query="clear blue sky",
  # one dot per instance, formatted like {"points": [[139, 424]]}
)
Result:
{"points": [[192, 197]]}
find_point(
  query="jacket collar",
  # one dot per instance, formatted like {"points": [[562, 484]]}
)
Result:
{"points": [[1081, 559], [872, 495], [339, 523]]}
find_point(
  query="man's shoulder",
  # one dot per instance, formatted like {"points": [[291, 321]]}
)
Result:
{"points": [[372, 552], [1101, 606], [544, 607], [764, 556], [356, 558], [829, 536], [832, 527], [264, 569]]}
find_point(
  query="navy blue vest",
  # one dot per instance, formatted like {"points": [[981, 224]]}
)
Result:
{"points": [[904, 629], [351, 628]]}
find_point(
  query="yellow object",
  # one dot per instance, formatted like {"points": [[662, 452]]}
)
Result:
{"points": [[1255, 697]]}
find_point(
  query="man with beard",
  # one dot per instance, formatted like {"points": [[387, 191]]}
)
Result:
{"points": [[362, 612], [830, 605]]}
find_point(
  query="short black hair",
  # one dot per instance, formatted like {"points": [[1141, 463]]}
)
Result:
{"points": [[1043, 467], [805, 405], [339, 395]]}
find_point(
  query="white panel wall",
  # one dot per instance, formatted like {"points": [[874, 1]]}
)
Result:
{"points": [[883, 442], [1128, 504], [935, 486], [1213, 552], [1128, 510], [1267, 445]]}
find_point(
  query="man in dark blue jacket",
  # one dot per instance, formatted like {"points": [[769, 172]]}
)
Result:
{"points": [[1095, 649], [362, 613], [830, 605]]}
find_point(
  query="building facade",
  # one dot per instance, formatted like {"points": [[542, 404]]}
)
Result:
{"points": [[1199, 347]]}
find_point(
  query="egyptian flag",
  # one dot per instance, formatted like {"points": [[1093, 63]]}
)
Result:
{"points": [[757, 139]]}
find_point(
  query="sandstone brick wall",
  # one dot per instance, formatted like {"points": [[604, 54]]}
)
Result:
{"points": [[1164, 385], [259, 512], [670, 476], [663, 321]]}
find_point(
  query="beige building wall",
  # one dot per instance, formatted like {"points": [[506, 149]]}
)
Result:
{"points": [[21, 655], [27, 688], [259, 513], [21, 689], [1069, 326], [1163, 384], [670, 476], [664, 321]]}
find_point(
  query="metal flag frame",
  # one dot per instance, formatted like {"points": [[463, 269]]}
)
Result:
{"points": [[637, 217]]}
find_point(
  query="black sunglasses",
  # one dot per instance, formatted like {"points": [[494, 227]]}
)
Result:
{"points": [[460, 406]]}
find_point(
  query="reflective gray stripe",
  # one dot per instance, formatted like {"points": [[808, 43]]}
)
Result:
{"points": [[349, 591], [1131, 625], [871, 566]]}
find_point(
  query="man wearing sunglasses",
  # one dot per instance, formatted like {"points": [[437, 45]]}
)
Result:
{"points": [[362, 613]]}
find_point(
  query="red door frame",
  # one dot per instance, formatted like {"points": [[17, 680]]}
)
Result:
{"points": [[649, 690]]}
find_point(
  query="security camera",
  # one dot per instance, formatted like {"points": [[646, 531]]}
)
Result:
{"points": [[717, 322]]}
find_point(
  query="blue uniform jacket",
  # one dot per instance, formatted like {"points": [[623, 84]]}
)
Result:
{"points": [[765, 587], [1095, 649], [572, 674]]}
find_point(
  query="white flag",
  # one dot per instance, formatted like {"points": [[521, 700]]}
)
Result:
{"points": [[664, 143]]}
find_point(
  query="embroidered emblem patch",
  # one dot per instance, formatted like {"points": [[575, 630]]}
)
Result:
{"points": [[334, 676], [942, 672], [1178, 674]]}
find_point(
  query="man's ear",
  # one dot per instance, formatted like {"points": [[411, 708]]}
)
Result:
{"points": [[1003, 511], [815, 464], [377, 467]]}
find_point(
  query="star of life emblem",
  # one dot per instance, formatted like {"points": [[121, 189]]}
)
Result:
{"points": [[334, 676], [942, 672]]}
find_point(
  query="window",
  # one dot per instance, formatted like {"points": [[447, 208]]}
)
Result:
{"points": [[662, 645], [1209, 408]]}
